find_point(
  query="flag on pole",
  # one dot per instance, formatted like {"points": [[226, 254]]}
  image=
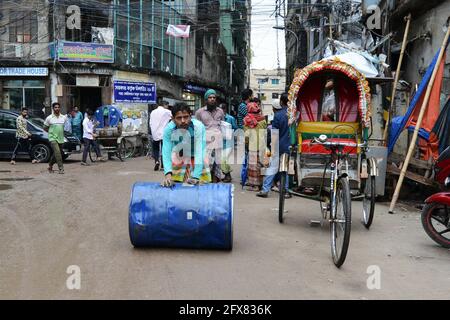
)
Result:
{"points": [[178, 31], [408, 121]]}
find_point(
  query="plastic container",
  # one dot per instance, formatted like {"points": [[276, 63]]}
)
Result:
{"points": [[199, 217]]}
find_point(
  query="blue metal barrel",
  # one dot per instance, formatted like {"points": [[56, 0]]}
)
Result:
{"points": [[181, 216]]}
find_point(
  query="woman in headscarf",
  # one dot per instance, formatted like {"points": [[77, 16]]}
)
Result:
{"points": [[255, 126]]}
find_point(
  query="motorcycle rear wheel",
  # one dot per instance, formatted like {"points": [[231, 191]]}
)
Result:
{"points": [[435, 221]]}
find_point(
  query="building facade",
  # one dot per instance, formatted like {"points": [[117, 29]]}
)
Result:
{"points": [[267, 85], [88, 53]]}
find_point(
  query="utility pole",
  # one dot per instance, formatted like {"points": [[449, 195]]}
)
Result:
{"points": [[230, 84]]}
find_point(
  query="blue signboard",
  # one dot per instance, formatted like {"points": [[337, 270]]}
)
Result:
{"points": [[195, 89], [135, 92]]}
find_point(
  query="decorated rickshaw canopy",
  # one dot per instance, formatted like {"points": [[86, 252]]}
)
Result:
{"points": [[360, 97]]}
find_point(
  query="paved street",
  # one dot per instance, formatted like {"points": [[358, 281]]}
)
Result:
{"points": [[50, 221]]}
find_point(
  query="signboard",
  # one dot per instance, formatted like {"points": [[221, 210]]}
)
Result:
{"points": [[85, 52], [195, 89], [135, 92], [25, 72], [87, 81]]}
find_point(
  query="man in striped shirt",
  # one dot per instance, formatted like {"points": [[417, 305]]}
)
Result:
{"points": [[242, 109], [54, 125], [23, 136]]}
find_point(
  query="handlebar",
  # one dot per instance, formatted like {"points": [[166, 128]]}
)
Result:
{"points": [[330, 145]]}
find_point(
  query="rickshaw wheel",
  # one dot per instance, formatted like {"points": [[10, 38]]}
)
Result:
{"points": [[281, 196], [368, 202], [92, 154], [121, 151], [340, 226]]}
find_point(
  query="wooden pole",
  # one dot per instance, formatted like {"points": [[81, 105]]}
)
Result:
{"points": [[419, 123], [397, 76]]}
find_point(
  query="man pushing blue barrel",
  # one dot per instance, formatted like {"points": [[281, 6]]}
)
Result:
{"points": [[192, 213]]}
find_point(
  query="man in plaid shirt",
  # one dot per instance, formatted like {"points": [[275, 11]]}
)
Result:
{"points": [[23, 136]]}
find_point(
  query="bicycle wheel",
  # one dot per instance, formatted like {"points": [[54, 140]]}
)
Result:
{"points": [[340, 225], [92, 153], [121, 151], [281, 196], [368, 202], [128, 148]]}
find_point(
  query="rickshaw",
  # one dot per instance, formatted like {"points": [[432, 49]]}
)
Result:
{"points": [[110, 138], [329, 116]]}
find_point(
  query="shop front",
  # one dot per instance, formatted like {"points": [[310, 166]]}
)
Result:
{"points": [[25, 87], [193, 95], [83, 75]]}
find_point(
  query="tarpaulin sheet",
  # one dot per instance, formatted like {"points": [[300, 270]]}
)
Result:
{"points": [[182, 216], [400, 123]]}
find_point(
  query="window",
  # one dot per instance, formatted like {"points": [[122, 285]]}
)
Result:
{"points": [[23, 26], [7, 121], [275, 81], [275, 95], [144, 43], [30, 93]]}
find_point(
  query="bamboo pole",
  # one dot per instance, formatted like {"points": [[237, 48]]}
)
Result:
{"points": [[419, 123], [397, 76]]}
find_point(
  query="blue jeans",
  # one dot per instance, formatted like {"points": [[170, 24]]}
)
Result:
{"points": [[268, 180]]}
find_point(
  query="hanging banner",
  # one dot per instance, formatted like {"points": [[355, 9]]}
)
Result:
{"points": [[134, 92], [178, 31]]}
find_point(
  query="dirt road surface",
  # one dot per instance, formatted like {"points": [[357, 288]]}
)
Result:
{"points": [[49, 222]]}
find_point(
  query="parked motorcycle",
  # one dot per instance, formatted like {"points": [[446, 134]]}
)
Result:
{"points": [[436, 213]]}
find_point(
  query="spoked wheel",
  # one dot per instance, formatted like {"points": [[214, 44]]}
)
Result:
{"points": [[368, 203], [341, 224], [127, 148], [121, 151], [92, 154], [435, 221], [282, 195]]}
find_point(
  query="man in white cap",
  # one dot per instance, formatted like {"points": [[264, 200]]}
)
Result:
{"points": [[280, 133]]}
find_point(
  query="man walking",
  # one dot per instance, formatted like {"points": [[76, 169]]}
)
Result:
{"points": [[159, 118], [211, 117], [23, 136], [89, 137], [280, 126], [246, 95], [77, 123], [54, 125], [184, 152]]}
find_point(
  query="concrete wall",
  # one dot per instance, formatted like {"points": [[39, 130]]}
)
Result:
{"points": [[422, 51], [30, 51]]}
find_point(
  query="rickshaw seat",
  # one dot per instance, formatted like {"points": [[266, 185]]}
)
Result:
{"points": [[336, 131]]}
